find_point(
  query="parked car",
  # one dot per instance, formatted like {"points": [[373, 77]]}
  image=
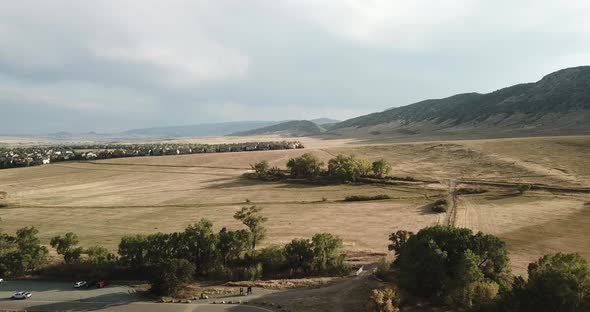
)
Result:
{"points": [[22, 295], [1, 280], [101, 284], [81, 284]]}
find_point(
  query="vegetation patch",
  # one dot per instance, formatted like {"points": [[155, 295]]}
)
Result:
{"points": [[441, 205], [366, 197], [471, 191]]}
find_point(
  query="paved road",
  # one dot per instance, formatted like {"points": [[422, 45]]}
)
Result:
{"points": [[49, 296]]}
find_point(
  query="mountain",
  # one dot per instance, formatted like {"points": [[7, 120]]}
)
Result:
{"points": [[324, 121], [206, 129], [557, 104], [288, 128]]}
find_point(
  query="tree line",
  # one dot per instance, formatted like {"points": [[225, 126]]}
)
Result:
{"points": [[342, 167], [454, 267], [168, 260]]}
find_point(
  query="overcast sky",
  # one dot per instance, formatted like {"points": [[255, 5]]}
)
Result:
{"points": [[113, 65]]}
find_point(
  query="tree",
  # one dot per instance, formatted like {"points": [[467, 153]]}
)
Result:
{"points": [[306, 166], [199, 245], [172, 274], [98, 255], [381, 168], [261, 168], [558, 282], [233, 245], [132, 251], [348, 168], [383, 300], [253, 219], [398, 240], [21, 253], [65, 246], [447, 263], [326, 252], [299, 254]]}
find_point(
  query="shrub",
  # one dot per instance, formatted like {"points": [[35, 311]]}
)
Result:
{"points": [[440, 205], [349, 168], [383, 300], [383, 269], [366, 197], [523, 188], [306, 166], [171, 275], [273, 259], [261, 168], [381, 168], [469, 190]]}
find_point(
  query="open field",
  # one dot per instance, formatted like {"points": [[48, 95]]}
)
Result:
{"points": [[104, 200]]}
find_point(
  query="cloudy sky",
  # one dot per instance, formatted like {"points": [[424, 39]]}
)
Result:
{"points": [[113, 65]]}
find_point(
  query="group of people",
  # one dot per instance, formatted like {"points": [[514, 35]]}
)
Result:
{"points": [[248, 291]]}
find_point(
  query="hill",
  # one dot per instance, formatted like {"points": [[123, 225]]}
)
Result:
{"points": [[206, 129], [288, 128], [324, 121], [559, 103]]}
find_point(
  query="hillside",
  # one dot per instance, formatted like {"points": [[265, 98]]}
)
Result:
{"points": [[207, 129], [559, 103], [288, 128]]}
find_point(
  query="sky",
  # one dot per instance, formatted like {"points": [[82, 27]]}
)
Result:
{"points": [[109, 66]]}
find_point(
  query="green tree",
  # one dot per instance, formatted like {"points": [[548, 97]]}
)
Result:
{"points": [[446, 263], [398, 240], [233, 245], [381, 168], [97, 255], [66, 246], [306, 166], [558, 282], [254, 220], [171, 275], [22, 253], [199, 243], [326, 252], [261, 168], [299, 254], [273, 259], [132, 251], [349, 168]]}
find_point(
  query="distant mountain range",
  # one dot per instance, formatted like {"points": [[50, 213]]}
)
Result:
{"points": [[206, 129], [558, 104], [288, 128]]}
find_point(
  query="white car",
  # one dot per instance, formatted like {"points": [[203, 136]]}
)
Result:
{"points": [[1, 280], [81, 284], [22, 295]]}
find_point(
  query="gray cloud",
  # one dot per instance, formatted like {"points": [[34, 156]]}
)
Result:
{"points": [[111, 65]]}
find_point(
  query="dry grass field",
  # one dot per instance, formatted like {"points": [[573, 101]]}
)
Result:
{"points": [[104, 200]]}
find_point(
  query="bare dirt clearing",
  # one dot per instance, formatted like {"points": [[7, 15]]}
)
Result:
{"points": [[104, 200]]}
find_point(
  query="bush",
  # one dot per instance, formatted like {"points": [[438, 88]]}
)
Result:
{"points": [[306, 166], [469, 190], [349, 168], [523, 188], [440, 205], [383, 300], [273, 259], [381, 168], [383, 269], [170, 275], [366, 197]]}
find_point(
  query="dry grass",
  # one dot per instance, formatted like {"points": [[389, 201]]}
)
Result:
{"points": [[105, 200]]}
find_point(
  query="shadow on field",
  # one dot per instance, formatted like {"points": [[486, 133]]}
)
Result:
{"points": [[235, 182], [426, 210]]}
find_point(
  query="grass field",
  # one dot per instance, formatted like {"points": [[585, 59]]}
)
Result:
{"points": [[104, 200]]}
